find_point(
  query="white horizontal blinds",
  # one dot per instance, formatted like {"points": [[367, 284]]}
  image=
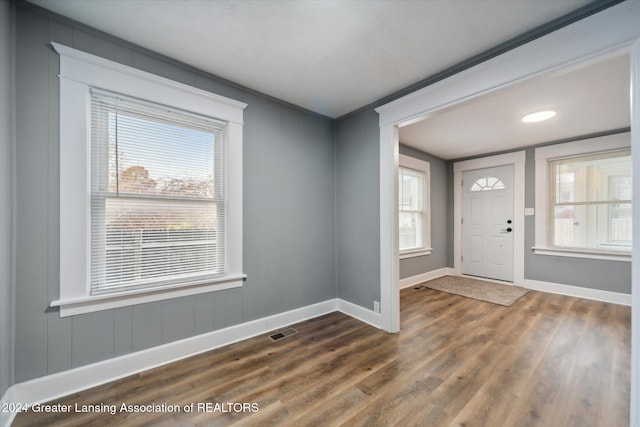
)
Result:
{"points": [[158, 195], [591, 201]]}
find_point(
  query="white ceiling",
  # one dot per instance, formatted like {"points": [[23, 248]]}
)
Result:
{"points": [[328, 56], [588, 98]]}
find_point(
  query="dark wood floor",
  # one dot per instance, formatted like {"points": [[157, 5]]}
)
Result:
{"points": [[547, 360]]}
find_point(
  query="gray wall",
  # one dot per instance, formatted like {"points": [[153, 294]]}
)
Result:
{"points": [[6, 198], [358, 208], [289, 209], [440, 240], [357, 162], [614, 276], [311, 225]]}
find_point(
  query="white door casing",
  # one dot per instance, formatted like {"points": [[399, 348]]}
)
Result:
{"points": [[487, 223], [611, 29], [517, 160]]}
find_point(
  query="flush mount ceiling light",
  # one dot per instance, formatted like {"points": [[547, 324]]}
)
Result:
{"points": [[538, 116]]}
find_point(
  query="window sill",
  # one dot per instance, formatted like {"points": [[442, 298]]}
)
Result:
{"points": [[416, 253], [583, 253], [88, 304]]}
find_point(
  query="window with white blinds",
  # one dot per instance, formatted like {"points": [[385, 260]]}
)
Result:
{"points": [[151, 190], [157, 195]]}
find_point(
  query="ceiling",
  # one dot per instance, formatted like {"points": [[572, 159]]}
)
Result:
{"points": [[330, 56], [588, 98]]}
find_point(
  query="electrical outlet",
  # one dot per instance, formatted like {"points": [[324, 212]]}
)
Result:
{"points": [[376, 306], [528, 212]]}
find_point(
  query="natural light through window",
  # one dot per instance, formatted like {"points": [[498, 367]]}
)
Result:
{"points": [[591, 201], [157, 195], [487, 183], [584, 197], [413, 212], [411, 209], [150, 187]]}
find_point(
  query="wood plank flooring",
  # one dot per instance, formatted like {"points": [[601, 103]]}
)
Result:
{"points": [[548, 360]]}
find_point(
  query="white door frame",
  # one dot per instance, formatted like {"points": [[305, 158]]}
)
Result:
{"points": [[609, 30], [517, 159]]}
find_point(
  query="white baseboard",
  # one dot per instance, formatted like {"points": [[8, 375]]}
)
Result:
{"points": [[429, 275], [537, 285], [360, 313], [577, 291], [64, 383], [57, 385]]}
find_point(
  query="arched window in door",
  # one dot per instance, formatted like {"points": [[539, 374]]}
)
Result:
{"points": [[487, 183]]}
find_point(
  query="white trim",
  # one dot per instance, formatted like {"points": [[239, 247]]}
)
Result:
{"points": [[413, 163], [635, 265], [537, 285], [516, 159], [486, 279], [606, 31], [610, 30], [578, 253], [542, 157], [88, 69], [554, 288], [364, 315], [617, 141], [72, 307], [412, 253], [389, 262], [79, 72], [407, 282], [579, 292], [54, 386], [234, 191]]}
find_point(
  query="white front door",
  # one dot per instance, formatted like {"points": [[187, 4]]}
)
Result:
{"points": [[488, 223]]}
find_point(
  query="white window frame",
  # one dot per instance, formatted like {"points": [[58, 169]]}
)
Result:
{"points": [[542, 157], [79, 72], [425, 168]]}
